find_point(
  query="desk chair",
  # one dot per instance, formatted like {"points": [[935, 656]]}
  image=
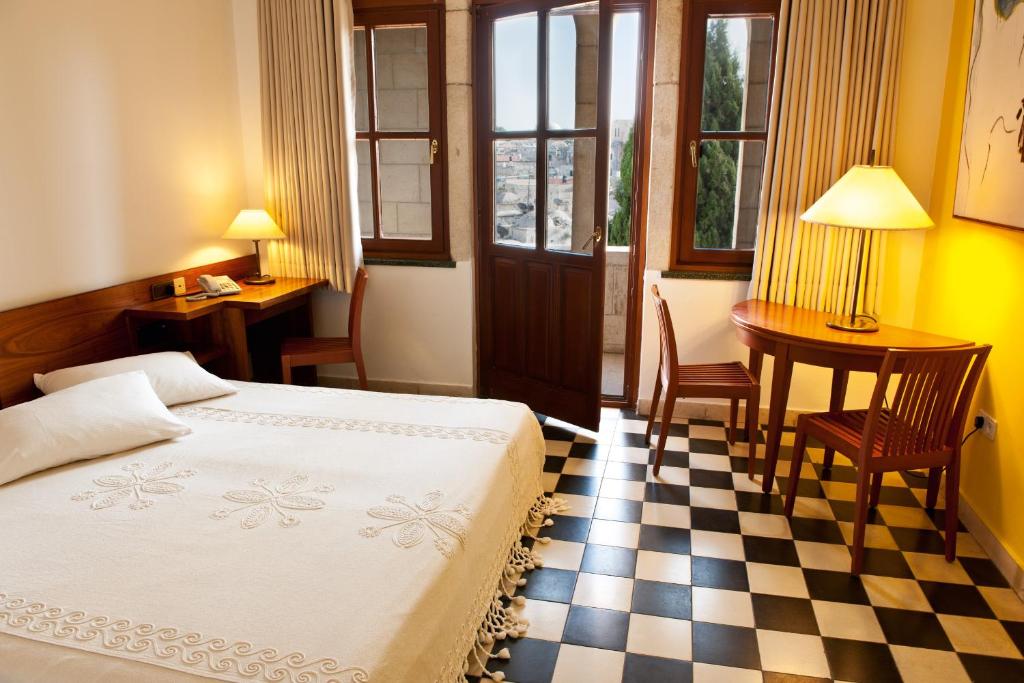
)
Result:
{"points": [[714, 380], [923, 428], [299, 351]]}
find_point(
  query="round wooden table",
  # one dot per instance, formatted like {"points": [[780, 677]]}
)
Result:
{"points": [[799, 335]]}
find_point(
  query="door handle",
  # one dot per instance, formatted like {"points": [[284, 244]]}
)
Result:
{"points": [[433, 151], [693, 153], [595, 238]]}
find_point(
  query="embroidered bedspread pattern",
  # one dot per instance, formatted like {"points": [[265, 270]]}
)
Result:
{"points": [[296, 535]]}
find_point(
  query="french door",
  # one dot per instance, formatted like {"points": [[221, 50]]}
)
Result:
{"points": [[542, 113]]}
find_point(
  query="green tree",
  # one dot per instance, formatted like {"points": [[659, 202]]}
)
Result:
{"points": [[618, 230], [722, 111]]}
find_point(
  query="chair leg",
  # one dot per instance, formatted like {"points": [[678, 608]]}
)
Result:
{"points": [[734, 409], [876, 490], [799, 446], [753, 408], [860, 519], [360, 370], [952, 505], [666, 421], [286, 370], [654, 408], [830, 456], [934, 479]]}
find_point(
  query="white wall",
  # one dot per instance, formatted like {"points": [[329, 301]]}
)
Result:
{"points": [[120, 153]]}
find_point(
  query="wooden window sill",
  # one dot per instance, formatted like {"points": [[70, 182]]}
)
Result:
{"points": [[706, 274], [420, 263]]}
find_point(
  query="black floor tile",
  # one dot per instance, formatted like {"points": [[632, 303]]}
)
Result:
{"points": [[674, 429], [619, 510], [533, 661], [662, 599], [567, 528], [714, 573], [835, 587], [844, 473], [553, 433], [918, 540], [609, 560], [553, 463], [628, 439], [844, 511], [983, 572], [711, 479], [1015, 629], [711, 446], [578, 485], [725, 645], [764, 503], [593, 627], [779, 613], [553, 585], [664, 539], [897, 495], [938, 517], [816, 530], [586, 451], [949, 598], [770, 550], [644, 669], [673, 494], [983, 669], [914, 629], [882, 562], [670, 458], [852, 660], [708, 519]]}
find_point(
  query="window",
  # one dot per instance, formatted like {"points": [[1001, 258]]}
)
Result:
{"points": [[725, 96], [400, 133]]}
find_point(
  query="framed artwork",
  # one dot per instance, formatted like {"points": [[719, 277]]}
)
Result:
{"points": [[990, 178]]}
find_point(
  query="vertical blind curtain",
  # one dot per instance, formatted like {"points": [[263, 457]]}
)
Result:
{"points": [[310, 169], [836, 86]]}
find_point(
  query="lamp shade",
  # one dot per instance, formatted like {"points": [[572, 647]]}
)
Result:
{"points": [[869, 197], [253, 224]]}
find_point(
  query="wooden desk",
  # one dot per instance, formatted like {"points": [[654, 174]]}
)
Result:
{"points": [[232, 315], [799, 335]]}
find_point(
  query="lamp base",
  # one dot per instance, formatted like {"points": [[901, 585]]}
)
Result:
{"points": [[859, 323], [260, 280]]}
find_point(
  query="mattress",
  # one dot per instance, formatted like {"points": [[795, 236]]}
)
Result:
{"points": [[298, 534]]}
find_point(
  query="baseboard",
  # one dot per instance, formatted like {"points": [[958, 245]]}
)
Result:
{"points": [[397, 387], [706, 410], [1003, 560]]}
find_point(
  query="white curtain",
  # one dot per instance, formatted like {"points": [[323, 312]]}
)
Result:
{"points": [[836, 82], [310, 170]]}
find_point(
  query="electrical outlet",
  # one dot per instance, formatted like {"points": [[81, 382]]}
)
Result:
{"points": [[989, 427]]}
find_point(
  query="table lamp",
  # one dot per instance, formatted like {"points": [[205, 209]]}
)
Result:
{"points": [[866, 198], [255, 225]]}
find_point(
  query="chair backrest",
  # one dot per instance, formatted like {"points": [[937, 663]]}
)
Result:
{"points": [[669, 358], [932, 398], [355, 306]]}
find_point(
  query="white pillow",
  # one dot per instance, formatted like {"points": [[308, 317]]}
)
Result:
{"points": [[176, 377], [95, 418]]}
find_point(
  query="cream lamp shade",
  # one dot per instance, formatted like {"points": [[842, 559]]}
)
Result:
{"points": [[872, 197], [253, 224]]}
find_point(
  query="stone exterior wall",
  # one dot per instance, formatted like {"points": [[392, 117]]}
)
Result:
{"points": [[751, 160], [616, 289]]}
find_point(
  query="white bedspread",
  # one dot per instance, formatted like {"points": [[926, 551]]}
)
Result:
{"points": [[299, 534]]}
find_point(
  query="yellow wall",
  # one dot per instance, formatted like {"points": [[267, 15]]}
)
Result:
{"points": [[970, 288]]}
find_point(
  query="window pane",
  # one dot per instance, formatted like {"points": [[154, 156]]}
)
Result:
{"points": [[400, 78], [403, 167], [625, 67], [364, 188], [570, 195], [728, 194], [362, 103], [737, 71], [515, 192], [515, 73], [572, 67]]}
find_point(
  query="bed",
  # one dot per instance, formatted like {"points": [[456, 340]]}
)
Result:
{"points": [[298, 534]]}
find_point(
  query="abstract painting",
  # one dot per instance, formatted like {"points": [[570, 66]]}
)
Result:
{"points": [[990, 181]]}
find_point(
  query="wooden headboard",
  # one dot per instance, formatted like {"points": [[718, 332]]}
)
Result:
{"points": [[82, 328]]}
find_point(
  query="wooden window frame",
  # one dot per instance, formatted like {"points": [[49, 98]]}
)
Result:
{"points": [[691, 99], [373, 15]]}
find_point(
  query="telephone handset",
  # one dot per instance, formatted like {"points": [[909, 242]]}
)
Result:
{"points": [[218, 285]]}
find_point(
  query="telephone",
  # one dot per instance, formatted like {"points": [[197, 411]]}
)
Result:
{"points": [[218, 285]]}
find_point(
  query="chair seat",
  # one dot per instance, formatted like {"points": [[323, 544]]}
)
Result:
{"points": [[720, 374], [307, 346], [844, 430]]}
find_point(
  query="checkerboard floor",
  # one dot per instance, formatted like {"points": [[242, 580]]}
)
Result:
{"points": [[697, 576]]}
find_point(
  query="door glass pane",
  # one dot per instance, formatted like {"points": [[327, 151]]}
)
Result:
{"points": [[400, 78], [363, 188], [403, 169], [728, 193], [572, 66], [359, 58], [570, 194], [515, 192], [737, 71], [625, 67], [515, 73]]}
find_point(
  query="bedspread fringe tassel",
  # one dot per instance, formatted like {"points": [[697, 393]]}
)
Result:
{"points": [[502, 621]]}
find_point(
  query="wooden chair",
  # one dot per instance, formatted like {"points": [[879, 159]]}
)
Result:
{"points": [[922, 429], [714, 380], [299, 351]]}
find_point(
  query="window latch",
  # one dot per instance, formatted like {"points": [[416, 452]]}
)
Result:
{"points": [[433, 151], [595, 238], [693, 153]]}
